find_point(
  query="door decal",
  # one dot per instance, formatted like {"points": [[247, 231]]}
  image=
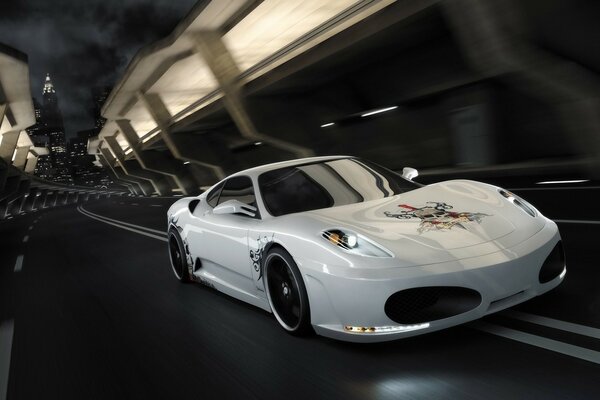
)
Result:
{"points": [[257, 255]]}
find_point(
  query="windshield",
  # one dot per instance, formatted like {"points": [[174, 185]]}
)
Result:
{"points": [[328, 184]]}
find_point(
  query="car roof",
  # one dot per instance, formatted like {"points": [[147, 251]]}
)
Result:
{"points": [[255, 171]]}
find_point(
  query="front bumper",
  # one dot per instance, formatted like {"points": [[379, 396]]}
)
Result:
{"points": [[503, 279]]}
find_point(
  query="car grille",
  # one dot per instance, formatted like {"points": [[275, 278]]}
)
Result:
{"points": [[426, 304], [554, 264]]}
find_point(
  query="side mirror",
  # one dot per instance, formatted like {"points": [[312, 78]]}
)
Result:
{"points": [[235, 207], [409, 173]]}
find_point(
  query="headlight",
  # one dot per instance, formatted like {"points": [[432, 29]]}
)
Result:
{"points": [[354, 243], [516, 200]]}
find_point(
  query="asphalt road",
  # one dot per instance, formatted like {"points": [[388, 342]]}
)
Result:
{"points": [[90, 310]]}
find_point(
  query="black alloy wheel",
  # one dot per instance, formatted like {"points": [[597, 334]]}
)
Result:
{"points": [[286, 292], [177, 256]]}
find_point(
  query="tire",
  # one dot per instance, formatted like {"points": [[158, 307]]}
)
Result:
{"points": [[286, 292], [178, 257]]}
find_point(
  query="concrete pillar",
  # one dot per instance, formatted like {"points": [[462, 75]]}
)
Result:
{"points": [[28, 201], [14, 201], [46, 200], [145, 188], [8, 145], [38, 204], [153, 161], [30, 164], [159, 112], [133, 168], [21, 157], [133, 187], [50, 200], [215, 54], [139, 186]]}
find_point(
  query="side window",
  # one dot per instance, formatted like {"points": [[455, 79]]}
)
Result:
{"points": [[238, 188], [213, 197]]}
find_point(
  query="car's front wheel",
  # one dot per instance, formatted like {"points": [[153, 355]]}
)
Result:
{"points": [[286, 292], [178, 256]]}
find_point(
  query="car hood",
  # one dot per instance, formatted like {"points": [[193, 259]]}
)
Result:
{"points": [[442, 221]]}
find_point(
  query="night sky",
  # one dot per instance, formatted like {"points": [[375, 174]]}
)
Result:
{"points": [[84, 43]]}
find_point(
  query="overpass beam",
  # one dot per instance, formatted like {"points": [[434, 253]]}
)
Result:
{"points": [[155, 162], [162, 117], [21, 157], [133, 187], [30, 164], [144, 188], [8, 145], [211, 47], [133, 168]]}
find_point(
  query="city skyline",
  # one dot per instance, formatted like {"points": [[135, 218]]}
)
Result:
{"points": [[68, 161], [84, 44]]}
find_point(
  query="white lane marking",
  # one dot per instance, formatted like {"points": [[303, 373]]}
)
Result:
{"points": [[569, 181], [124, 223], [26, 238], [6, 337], [134, 204], [155, 205], [554, 188], [576, 221], [30, 228], [164, 239], [19, 263], [554, 323], [538, 341]]}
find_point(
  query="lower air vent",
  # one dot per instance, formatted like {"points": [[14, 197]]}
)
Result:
{"points": [[426, 304], [554, 264]]}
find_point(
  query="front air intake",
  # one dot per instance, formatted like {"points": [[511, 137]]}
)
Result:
{"points": [[426, 304], [554, 264]]}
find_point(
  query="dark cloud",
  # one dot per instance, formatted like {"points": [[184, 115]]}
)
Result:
{"points": [[84, 44]]}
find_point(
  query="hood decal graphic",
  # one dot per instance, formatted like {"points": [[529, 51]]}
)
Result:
{"points": [[436, 216]]}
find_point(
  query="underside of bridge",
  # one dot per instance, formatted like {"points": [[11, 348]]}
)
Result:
{"points": [[467, 83]]}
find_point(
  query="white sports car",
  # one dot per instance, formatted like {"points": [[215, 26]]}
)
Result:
{"points": [[359, 253]]}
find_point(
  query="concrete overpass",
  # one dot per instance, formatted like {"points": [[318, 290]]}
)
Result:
{"points": [[242, 83], [20, 191]]}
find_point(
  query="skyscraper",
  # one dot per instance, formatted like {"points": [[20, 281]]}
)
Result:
{"points": [[99, 96], [52, 118]]}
